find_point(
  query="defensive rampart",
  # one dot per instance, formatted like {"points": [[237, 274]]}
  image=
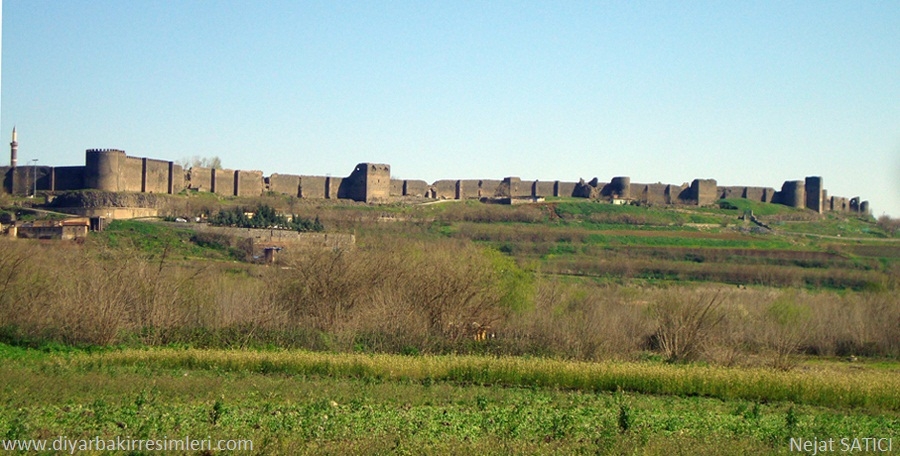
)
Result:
{"points": [[112, 170]]}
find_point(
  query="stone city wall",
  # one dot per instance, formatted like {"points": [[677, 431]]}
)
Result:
{"points": [[288, 184], [248, 183], [312, 187], [155, 176], [112, 170]]}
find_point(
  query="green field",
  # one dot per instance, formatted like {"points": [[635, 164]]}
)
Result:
{"points": [[290, 402]]}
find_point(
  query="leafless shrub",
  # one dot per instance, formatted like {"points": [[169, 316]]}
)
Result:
{"points": [[684, 325], [889, 225]]}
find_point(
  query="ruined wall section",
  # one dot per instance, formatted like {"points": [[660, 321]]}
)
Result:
{"points": [[176, 178], [444, 189], [68, 178], [415, 188], [653, 193], [155, 176], [333, 187], [566, 189], [396, 187], [544, 188], [354, 186], [223, 182], [814, 193], [618, 187], [286, 184], [761, 194], [5, 179], [792, 194], [378, 181], [248, 183], [200, 179], [23, 179], [367, 182], [131, 174], [703, 192], [312, 186], [469, 189]]}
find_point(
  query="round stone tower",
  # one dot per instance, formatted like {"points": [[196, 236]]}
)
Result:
{"points": [[621, 186], [101, 169], [793, 194]]}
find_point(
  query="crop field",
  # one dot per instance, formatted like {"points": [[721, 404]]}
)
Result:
{"points": [[564, 327], [290, 402]]}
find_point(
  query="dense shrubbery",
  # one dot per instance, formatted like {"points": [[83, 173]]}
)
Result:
{"points": [[419, 297], [263, 216]]}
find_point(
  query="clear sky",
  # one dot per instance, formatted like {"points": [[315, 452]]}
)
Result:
{"points": [[748, 93]]}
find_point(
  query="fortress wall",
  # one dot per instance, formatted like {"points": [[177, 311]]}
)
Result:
{"points": [[864, 207], [156, 176], [755, 193], [287, 184], [655, 194], [312, 186], [731, 192], [223, 182], [176, 178], [854, 204], [101, 169], [377, 184], [675, 192], [470, 188], [415, 188], [200, 179], [5, 179], [840, 204], [333, 186], [444, 189], [23, 178], [566, 189], [68, 178], [353, 186], [490, 187], [636, 191], [397, 187], [792, 194], [131, 174], [519, 189], [619, 187], [248, 183], [684, 197], [703, 192], [814, 189], [512, 187], [544, 188]]}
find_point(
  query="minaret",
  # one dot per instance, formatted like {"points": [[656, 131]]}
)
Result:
{"points": [[13, 149]]}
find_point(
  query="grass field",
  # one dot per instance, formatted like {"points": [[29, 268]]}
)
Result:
{"points": [[290, 402]]}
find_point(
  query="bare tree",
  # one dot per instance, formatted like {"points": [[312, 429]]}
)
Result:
{"points": [[201, 162]]}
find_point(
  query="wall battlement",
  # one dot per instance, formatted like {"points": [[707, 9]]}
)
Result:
{"points": [[113, 170]]}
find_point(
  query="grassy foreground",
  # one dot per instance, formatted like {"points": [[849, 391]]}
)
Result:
{"points": [[291, 402]]}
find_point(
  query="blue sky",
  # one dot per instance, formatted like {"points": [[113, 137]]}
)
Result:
{"points": [[748, 93]]}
